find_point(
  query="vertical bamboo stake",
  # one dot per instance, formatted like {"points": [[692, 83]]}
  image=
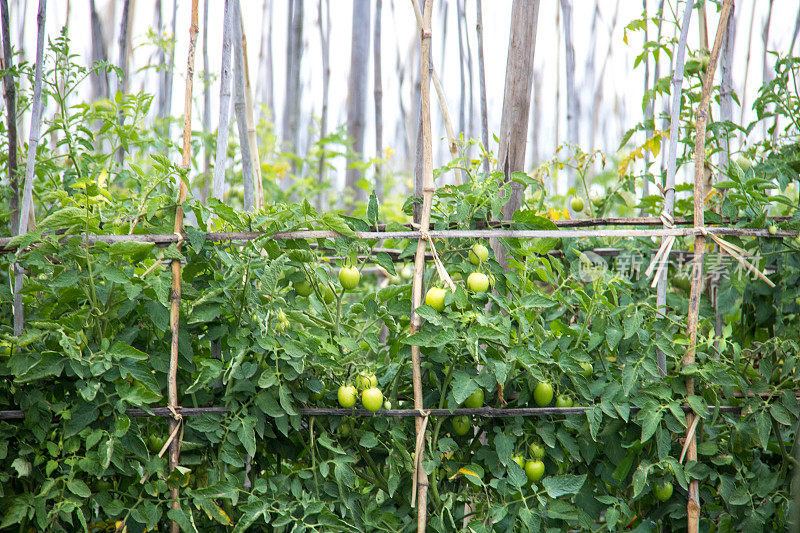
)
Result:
{"points": [[693, 505], [122, 80], [648, 113], [174, 316], [324, 34], [672, 156], [258, 186], [33, 144], [482, 74], [461, 21], [726, 114], [471, 105], [572, 100], [264, 79], [747, 62], [419, 262], [11, 118], [206, 118], [239, 108], [99, 79], [378, 97], [224, 104]]}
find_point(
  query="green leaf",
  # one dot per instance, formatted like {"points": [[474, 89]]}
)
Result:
{"points": [[763, 427], [63, 218], [335, 223], [781, 414], [462, 386], [184, 518], [650, 423], [504, 446], [698, 405], [79, 488], [120, 349], [136, 250], [385, 260], [562, 485], [372, 208], [613, 336], [247, 435], [368, 440]]}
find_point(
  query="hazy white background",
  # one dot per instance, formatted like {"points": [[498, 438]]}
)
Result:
{"points": [[623, 85]]}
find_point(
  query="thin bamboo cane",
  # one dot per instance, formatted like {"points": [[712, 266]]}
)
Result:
{"points": [[239, 106], [11, 118], [7, 244], [33, 144], [174, 316], [421, 477], [482, 74], [377, 97], [448, 123], [258, 186], [572, 100], [693, 504], [672, 157], [224, 104]]}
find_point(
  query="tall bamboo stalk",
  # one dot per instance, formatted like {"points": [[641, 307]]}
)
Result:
{"points": [[224, 103], [648, 113], [356, 100], [258, 186], [99, 53], [264, 85], [482, 74], [767, 71], [11, 117], [239, 105], [378, 97], [33, 144], [174, 315], [206, 118], [471, 106], [291, 110], [419, 262], [324, 34], [701, 116], [747, 63], [462, 100], [572, 100], [122, 63], [672, 158], [599, 83]]}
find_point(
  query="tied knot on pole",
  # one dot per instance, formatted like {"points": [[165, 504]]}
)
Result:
{"points": [[179, 236], [737, 253], [418, 449], [440, 270], [661, 259], [178, 427]]}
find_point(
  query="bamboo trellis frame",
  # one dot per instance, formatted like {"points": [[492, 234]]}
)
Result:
{"points": [[698, 231]]}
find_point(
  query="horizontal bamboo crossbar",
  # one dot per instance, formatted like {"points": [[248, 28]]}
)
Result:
{"points": [[169, 238], [483, 412]]}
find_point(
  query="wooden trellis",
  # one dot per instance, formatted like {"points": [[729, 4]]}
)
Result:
{"points": [[422, 234]]}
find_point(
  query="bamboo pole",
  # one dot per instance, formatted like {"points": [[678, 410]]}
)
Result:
{"points": [[482, 74], [239, 108], [693, 504], [421, 477], [378, 97], [258, 186], [11, 118], [572, 99], [174, 315], [33, 144], [7, 244], [324, 35], [672, 157], [206, 118], [448, 123], [224, 104]]}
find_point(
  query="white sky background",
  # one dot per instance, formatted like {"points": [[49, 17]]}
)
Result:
{"points": [[623, 86]]}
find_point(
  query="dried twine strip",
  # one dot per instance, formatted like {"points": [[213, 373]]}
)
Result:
{"points": [[689, 435], [418, 449], [737, 253], [659, 262], [443, 275]]}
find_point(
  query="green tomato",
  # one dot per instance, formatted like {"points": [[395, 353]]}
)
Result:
{"points": [[597, 201], [478, 282], [344, 429], [586, 369], [372, 399], [663, 491], [435, 298], [303, 288], [564, 401], [347, 396], [387, 404], [773, 229], [543, 394], [327, 294], [536, 450], [577, 204], [478, 254], [365, 380], [461, 424], [534, 470], [519, 460], [349, 277], [474, 400]]}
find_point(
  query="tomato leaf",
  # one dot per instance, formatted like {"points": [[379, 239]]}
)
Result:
{"points": [[557, 486]]}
